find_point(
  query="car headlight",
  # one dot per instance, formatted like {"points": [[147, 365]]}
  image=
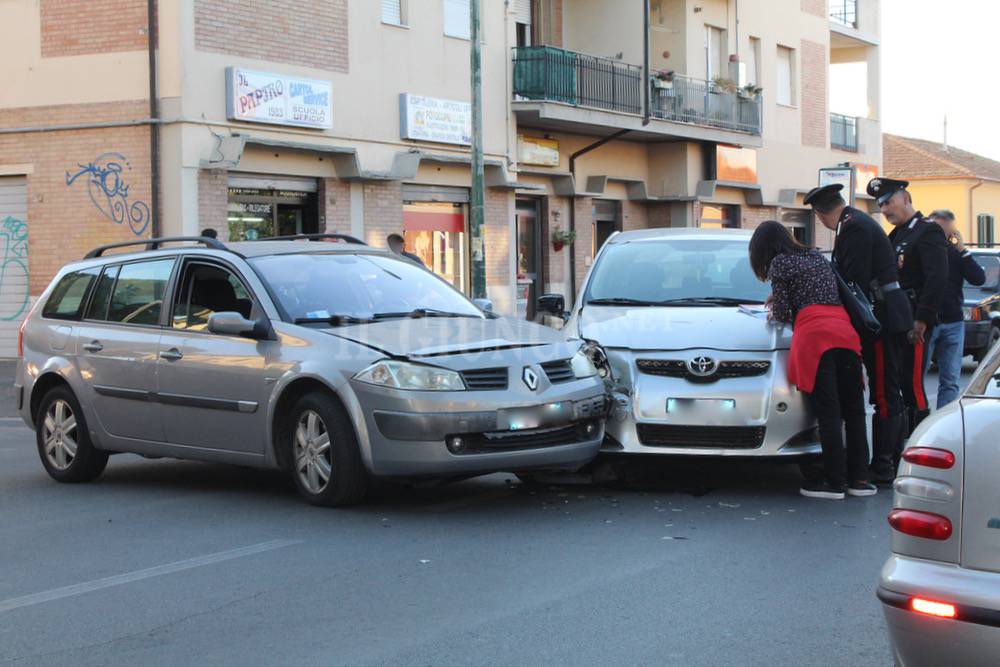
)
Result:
{"points": [[582, 366], [416, 377], [598, 358]]}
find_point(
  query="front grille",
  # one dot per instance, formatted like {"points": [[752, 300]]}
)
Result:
{"points": [[713, 437], [726, 369], [529, 439], [485, 378], [558, 371]]}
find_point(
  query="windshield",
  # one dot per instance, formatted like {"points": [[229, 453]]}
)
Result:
{"points": [[676, 270], [346, 287]]}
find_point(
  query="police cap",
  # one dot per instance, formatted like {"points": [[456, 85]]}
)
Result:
{"points": [[884, 188], [823, 194]]}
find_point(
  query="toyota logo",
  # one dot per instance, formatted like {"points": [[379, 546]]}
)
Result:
{"points": [[702, 366], [530, 378]]}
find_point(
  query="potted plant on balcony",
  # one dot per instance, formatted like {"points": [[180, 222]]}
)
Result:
{"points": [[663, 79], [561, 238], [751, 91], [722, 85]]}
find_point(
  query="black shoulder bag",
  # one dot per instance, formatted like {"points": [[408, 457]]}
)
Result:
{"points": [[857, 305]]}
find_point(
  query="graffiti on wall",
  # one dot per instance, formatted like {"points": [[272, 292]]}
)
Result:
{"points": [[13, 269], [108, 190]]}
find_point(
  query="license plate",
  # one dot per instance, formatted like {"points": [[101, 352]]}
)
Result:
{"points": [[689, 405], [536, 416]]}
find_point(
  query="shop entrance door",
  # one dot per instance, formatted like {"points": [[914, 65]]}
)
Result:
{"points": [[529, 244], [607, 221], [261, 206]]}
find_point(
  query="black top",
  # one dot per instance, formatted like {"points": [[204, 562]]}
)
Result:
{"points": [[962, 266], [862, 251], [922, 257], [799, 280], [415, 258]]}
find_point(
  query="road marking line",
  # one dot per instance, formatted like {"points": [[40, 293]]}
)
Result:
{"points": [[138, 575]]}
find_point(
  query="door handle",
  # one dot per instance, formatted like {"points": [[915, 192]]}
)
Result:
{"points": [[173, 354], [93, 346]]}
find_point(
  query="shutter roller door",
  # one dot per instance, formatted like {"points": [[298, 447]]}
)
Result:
{"points": [[14, 297], [522, 11]]}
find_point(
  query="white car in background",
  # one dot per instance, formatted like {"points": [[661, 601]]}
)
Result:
{"points": [[694, 367]]}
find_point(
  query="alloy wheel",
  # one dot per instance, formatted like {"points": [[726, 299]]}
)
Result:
{"points": [[59, 435], [313, 454]]}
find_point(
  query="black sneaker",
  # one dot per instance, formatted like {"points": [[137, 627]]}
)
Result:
{"points": [[860, 489], [821, 490], [883, 480]]}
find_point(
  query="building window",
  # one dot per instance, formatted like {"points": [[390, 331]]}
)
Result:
{"points": [[985, 228], [715, 53], [522, 21], [718, 216], [394, 12], [784, 89], [844, 12], [751, 70], [456, 19]]}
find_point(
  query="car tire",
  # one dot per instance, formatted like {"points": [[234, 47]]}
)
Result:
{"points": [[994, 337], [63, 440], [323, 455]]}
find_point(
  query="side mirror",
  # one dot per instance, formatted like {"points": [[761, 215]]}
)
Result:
{"points": [[233, 324], [485, 305], [553, 304]]}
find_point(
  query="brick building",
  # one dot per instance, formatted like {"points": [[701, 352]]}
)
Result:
{"points": [[351, 116]]}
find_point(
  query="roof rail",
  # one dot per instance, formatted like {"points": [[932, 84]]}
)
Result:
{"points": [[155, 243], [347, 238]]}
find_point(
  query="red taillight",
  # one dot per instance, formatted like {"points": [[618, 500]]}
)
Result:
{"points": [[932, 608], [975, 314], [920, 524], [929, 456]]}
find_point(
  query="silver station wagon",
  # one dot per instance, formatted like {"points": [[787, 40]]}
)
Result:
{"points": [[334, 361]]}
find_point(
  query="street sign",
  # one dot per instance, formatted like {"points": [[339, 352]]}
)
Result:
{"points": [[842, 175]]}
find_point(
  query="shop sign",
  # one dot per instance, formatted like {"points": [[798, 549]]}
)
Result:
{"points": [[260, 97], [842, 175], [735, 165], [432, 119], [535, 150]]}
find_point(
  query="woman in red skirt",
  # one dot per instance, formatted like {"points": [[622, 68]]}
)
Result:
{"points": [[825, 359]]}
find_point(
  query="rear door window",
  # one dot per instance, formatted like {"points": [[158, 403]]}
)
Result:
{"points": [[98, 308], [137, 297], [67, 300]]}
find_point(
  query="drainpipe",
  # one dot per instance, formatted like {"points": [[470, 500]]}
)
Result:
{"points": [[154, 114], [972, 211], [572, 205], [645, 62]]}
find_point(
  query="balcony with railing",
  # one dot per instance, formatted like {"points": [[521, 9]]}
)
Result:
{"points": [[844, 132], [549, 74], [844, 12]]}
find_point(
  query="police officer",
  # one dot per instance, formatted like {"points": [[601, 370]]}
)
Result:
{"points": [[922, 261], [863, 256]]}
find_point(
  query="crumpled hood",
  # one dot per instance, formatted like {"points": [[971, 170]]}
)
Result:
{"points": [[447, 335], [650, 328]]}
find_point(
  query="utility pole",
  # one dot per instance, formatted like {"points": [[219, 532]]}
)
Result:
{"points": [[478, 194]]}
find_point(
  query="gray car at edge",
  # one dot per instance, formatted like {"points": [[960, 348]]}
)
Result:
{"points": [[335, 362]]}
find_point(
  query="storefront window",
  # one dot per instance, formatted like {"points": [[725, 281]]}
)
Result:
{"points": [[799, 223], [260, 212], [718, 216], [435, 232]]}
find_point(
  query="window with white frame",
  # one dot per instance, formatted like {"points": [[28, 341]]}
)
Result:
{"points": [[456, 19], [715, 52], [394, 12], [784, 92], [752, 66]]}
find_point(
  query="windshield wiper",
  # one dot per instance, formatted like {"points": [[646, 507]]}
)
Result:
{"points": [[422, 312], [621, 301], [335, 320], [710, 300]]}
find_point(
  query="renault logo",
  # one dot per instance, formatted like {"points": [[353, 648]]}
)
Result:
{"points": [[702, 366], [530, 378]]}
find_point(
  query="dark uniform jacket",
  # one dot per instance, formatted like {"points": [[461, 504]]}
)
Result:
{"points": [[922, 261], [862, 251], [962, 268]]}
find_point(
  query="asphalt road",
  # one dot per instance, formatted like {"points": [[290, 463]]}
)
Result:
{"points": [[173, 563]]}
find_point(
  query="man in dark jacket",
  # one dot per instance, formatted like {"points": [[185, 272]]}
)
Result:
{"points": [[863, 256], [947, 344], [922, 261], [397, 244]]}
